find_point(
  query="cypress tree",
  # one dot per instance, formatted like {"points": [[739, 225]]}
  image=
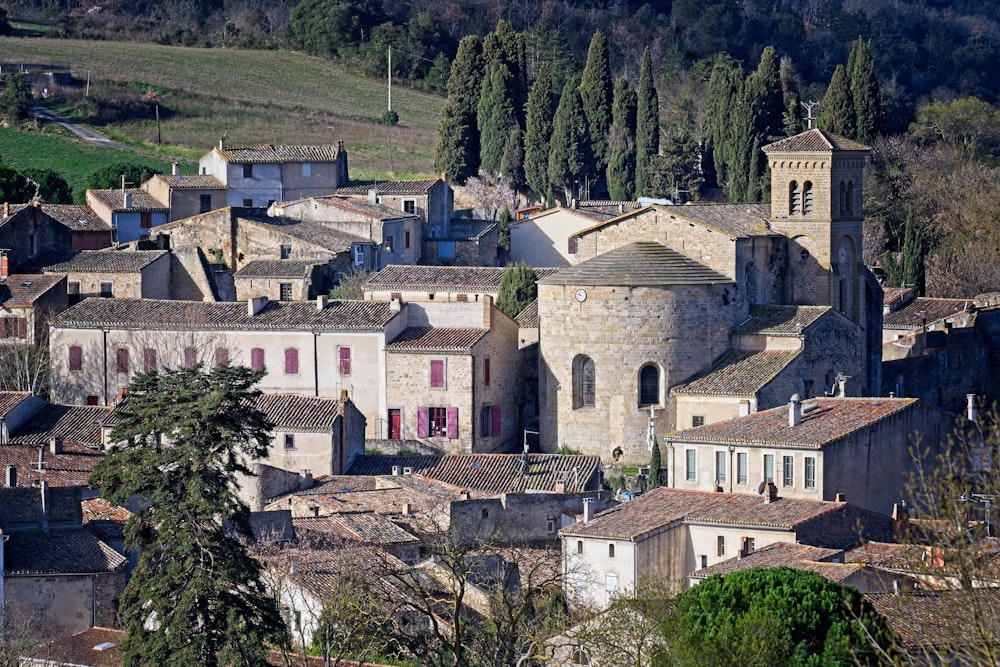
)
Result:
{"points": [[722, 94], [621, 142], [837, 115], [518, 289], [457, 153], [869, 107], [908, 270], [768, 99], [654, 467], [569, 156], [512, 165], [507, 46], [538, 132], [496, 118], [596, 92], [647, 124]]}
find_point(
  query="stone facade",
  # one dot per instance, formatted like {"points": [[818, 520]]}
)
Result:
{"points": [[150, 282], [26, 232]]}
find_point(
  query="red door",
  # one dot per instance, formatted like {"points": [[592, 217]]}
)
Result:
{"points": [[395, 424]]}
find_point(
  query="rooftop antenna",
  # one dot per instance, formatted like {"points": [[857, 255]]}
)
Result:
{"points": [[274, 137], [809, 107]]}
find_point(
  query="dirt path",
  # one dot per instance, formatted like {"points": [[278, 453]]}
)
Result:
{"points": [[78, 130]]}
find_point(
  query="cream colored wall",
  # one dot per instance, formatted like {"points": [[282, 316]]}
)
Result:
{"points": [[674, 453], [585, 575], [712, 408], [703, 540], [544, 240], [312, 451]]}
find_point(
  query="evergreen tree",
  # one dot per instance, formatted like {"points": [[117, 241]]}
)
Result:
{"points": [[621, 143], [457, 153], [195, 596], [538, 132], [518, 288], [569, 155], [496, 118], [869, 108], [837, 114], [908, 269], [654, 467], [512, 165], [52, 188], [722, 94], [647, 124], [507, 46], [16, 98], [110, 177], [596, 93], [14, 187]]}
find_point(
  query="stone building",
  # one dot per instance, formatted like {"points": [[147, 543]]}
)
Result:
{"points": [[128, 274], [131, 212], [27, 303], [185, 196], [657, 297], [432, 199]]}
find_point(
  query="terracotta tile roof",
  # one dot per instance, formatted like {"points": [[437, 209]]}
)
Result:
{"points": [[300, 413], [392, 188], [21, 507], [69, 469], [11, 399], [23, 289], [80, 650], [76, 217], [664, 506], [275, 316], [192, 182], [73, 423], [436, 339], [783, 554], [141, 200], [734, 220], [895, 297], [528, 318], [108, 261], [739, 374], [888, 555], [493, 473], [640, 263], [59, 552], [317, 570], [420, 493], [104, 520], [269, 153], [609, 204], [476, 279], [824, 420], [361, 207], [943, 621], [311, 232], [277, 268], [596, 214], [923, 311], [813, 141], [367, 527], [781, 320]]}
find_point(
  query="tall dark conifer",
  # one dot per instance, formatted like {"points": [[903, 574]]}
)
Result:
{"points": [[507, 46], [722, 89], [647, 124], [457, 152], [570, 158], [596, 91], [496, 118], [869, 107], [837, 114], [538, 131], [621, 143]]}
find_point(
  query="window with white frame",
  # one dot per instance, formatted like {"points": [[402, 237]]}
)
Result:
{"points": [[768, 467], [741, 468], [691, 465], [787, 471], [810, 478], [720, 467]]}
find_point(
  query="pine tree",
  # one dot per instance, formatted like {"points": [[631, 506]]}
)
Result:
{"points": [[569, 156], [195, 596], [457, 153], [495, 118], [621, 144], [596, 90], [869, 108], [538, 132], [647, 124], [518, 288], [837, 114], [654, 467], [507, 46]]}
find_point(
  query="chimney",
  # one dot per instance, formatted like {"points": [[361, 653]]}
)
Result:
{"points": [[128, 201], [4, 264], [373, 196], [175, 169], [11, 476], [321, 302], [900, 520], [406, 509], [795, 410], [842, 385], [340, 146], [305, 479], [588, 509], [561, 487], [464, 495], [971, 408], [6, 209], [744, 408], [395, 305], [840, 498], [770, 493], [256, 304], [395, 471], [56, 445], [487, 311], [41, 458], [222, 143]]}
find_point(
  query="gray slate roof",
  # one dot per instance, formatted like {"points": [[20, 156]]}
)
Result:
{"points": [[59, 552], [107, 261], [402, 278], [268, 153], [23, 289], [311, 232], [814, 141], [739, 374], [141, 200], [923, 311], [528, 318], [781, 320], [277, 268], [640, 263], [735, 220], [275, 316]]}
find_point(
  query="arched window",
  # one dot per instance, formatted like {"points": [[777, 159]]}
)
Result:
{"points": [[807, 197], [579, 546], [611, 550], [649, 385], [849, 199], [584, 383], [794, 198]]}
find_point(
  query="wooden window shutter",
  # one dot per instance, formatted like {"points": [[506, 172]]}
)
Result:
{"points": [[221, 356], [422, 421], [452, 422], [496, 421], [22, 327], [292, 361], [437, 373], [121, 360], [257, 358], [345, 361], [190, 357], [572, 245], [148, 360], [75, 358]]}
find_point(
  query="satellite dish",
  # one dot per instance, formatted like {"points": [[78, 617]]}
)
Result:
{"points": [[763, 485]]}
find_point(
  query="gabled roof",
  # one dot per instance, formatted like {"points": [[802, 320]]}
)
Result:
{"points": [[957, 622], [923, 311], [360, 207], [663, 506], [416, 493], [781, 320], [269, 153], [108, 261], [785, 554], [734, 220], [493, 473], [104, 520], [277, 268], [640, 263], [190, 182], [275, 316], [814, 141], [739, 374], [594, 215], [73, 551], [366, 527], [141, 200], [436, 339], [21, 507], [70, 468], [73, 423], [824, 420], [76, 217], [468, 230], [391, 188], [300, 413], [9, 400], [403, 278], [528, 318], [23, 289], [310, 231]]}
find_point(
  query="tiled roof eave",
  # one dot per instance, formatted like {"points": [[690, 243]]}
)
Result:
{"points": [[749, 442]]}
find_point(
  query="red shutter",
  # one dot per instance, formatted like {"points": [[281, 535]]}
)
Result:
{"points": [[345, 361], [486, 371], [496, 421], [22, 327], [437, 373], [422, 421], [452, 422], [148, 360], [75, 358], [257, 358], [190, 357], [121, 360], [292, 361], [221, 356]]}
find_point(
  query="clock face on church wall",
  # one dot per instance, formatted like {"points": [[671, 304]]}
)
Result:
{"points": [[581, 295]]}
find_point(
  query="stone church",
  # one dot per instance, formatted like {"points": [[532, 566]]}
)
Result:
{"points": [[677, 316]]}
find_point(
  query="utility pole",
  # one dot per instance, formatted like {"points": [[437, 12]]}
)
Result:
{"points": [[390, 78]]}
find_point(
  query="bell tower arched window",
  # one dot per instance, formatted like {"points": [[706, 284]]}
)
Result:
{"points": [[794, 198], [807, 197]]}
